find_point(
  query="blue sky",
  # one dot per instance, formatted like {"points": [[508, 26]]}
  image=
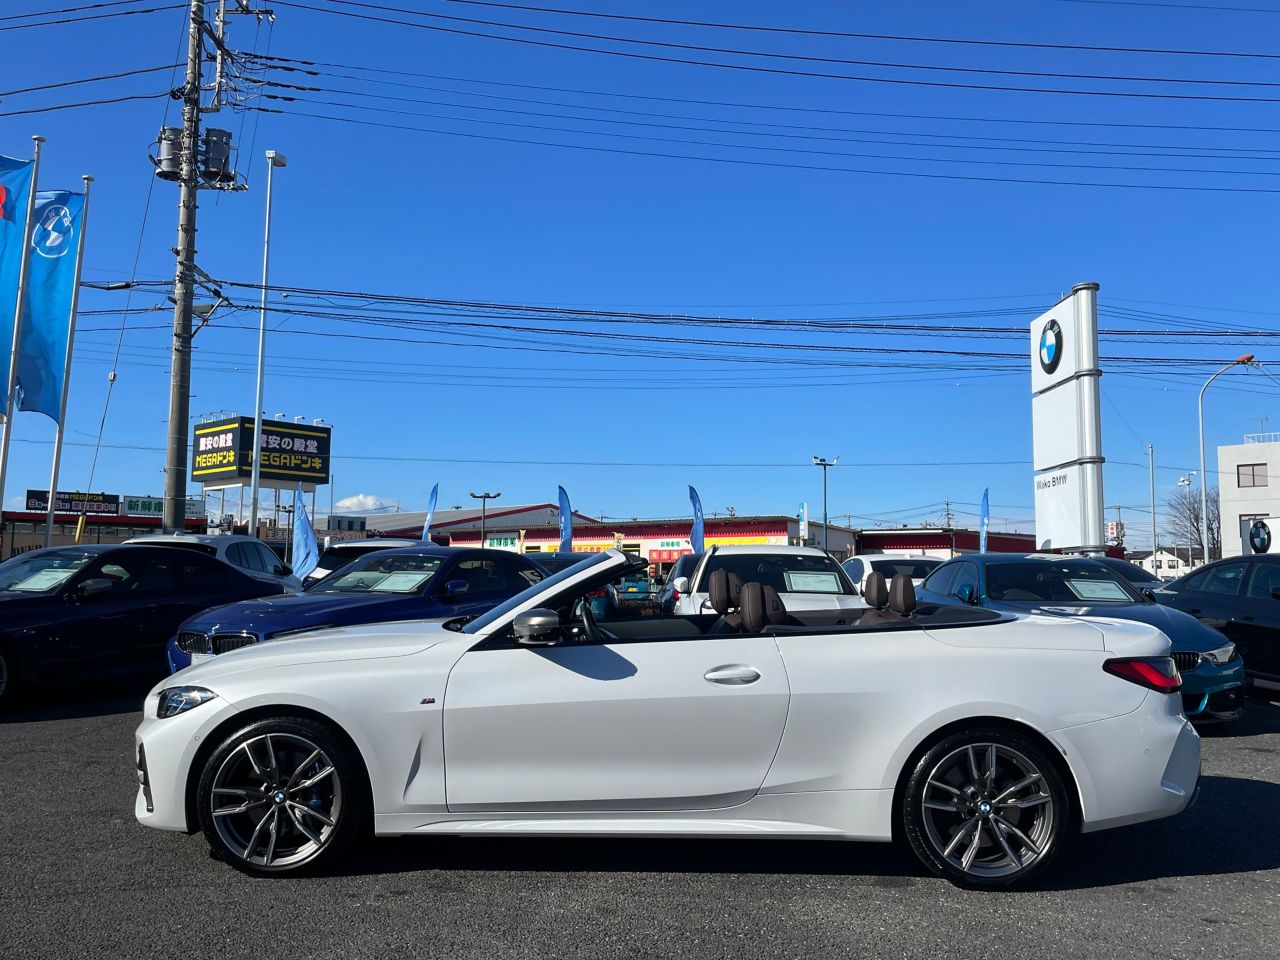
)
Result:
{"points": [[363, 208]]}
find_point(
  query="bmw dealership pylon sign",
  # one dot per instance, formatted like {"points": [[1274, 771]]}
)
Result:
{"points": [[1066, 424]]}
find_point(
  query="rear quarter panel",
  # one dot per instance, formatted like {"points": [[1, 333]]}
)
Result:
{"points": [[861, 703]]}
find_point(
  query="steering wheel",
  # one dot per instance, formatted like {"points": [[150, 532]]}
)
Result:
{"points": [[591, 628]]}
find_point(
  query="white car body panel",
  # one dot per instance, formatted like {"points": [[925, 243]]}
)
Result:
{"points": [[629, 738]]}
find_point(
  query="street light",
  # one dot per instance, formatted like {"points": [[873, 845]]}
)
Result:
{"points": [[1185, 483], [484, 499], [1204, 477], [274, 160], [824, 463]]}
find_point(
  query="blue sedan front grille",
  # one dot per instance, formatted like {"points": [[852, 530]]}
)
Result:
{"points": [[226, 642]]}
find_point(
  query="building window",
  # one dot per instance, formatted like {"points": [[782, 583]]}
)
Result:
{"points": [[1159, 564], [1251, 475]]}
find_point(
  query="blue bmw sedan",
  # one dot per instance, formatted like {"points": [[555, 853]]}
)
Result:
{"points": [[409, 583], [1212, 671]]}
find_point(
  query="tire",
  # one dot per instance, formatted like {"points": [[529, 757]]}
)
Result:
{"points": [[983, 829], [283, 796]]}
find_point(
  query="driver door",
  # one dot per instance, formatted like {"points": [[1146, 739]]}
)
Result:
{"points": [[667, 719]]}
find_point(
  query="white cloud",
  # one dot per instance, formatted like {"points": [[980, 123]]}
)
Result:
{"points": [[360, 503]]}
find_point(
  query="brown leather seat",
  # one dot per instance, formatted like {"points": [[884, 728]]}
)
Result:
{"points": [[902, 595], [724, 593], [876, 594], [761, 608]]}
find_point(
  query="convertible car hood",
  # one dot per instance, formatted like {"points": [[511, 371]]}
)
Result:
{"points": [[374, 641], [1186, 632]]}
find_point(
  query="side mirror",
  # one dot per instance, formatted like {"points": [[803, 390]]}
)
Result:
{"points": [[680, 585], [966, 594], [283, 569], [456, 588], [539, 627], [93, 587]]}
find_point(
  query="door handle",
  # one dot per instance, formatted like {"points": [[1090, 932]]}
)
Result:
{"points": [[732, 675]]}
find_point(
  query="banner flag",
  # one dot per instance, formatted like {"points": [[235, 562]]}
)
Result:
{"points": [[566, 522], [431, 512], [15, 187], [306, 553], [46, 313], [984, 521], [696, 534]]}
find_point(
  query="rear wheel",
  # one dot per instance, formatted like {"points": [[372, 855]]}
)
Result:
{"points": [[284, 795], [985, 808]]}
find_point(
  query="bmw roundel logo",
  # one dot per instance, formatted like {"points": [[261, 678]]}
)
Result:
{"points": [[1050, 346], [1260, 537], [52, 236]]}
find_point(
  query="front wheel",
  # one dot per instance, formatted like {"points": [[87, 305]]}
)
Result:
{"points": [[282, 796], [986, 809]]}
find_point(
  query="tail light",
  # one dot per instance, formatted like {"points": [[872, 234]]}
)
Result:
{"points": [[1155, 673]]}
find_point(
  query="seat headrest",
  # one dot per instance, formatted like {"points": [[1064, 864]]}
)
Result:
{"points": [[761, 607], [720, 592], [902, 595], [876, 591]]}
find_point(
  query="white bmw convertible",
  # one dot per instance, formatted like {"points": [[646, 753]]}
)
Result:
{"points": [[985, 740]]}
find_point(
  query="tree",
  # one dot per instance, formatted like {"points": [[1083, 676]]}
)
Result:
{"points": [[1182, 520]]}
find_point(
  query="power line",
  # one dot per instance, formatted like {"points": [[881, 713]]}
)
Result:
{"points": [[77, 9], [763, 147], [74, 83], [864, 36], [84, 103], [790, 108], [738, 161], [96, 16], [780, 71]]}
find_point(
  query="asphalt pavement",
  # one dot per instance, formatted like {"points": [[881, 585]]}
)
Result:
{"points": [[79, 878]]}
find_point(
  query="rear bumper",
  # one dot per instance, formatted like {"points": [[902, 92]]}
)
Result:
{"points": [[1141, 766]]}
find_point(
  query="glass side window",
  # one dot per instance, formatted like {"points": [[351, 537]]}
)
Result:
{"points": [[267, 557], [134, 575], [1225, 578], [204, 577], [1266, 577], [917, 568], [940, 580], [237, 557], [855, 570]]}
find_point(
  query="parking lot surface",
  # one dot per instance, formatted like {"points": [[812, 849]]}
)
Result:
{"points": [[80, 878]]}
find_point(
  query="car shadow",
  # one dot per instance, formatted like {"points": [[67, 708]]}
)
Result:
{"points": [[1259, 719], [78, 701], [1194, 844]]}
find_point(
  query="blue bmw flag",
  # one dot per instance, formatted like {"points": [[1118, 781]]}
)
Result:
{"points": [[431, 512], [15, 187], [306, 553], [566, 522], [46, 315], [696, 534]]}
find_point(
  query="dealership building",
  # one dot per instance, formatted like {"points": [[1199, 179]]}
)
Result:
{"points": [[534, 528], [108, 518], [1245, 490]]}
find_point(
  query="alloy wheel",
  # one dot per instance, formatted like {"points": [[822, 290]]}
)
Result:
{"points": [[988, 811], [276, 800]]}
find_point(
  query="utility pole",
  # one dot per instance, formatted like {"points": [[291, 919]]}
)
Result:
{"points": [[946, 516], [825, 464], [175, 472], [1151, 475], [484, 499]]}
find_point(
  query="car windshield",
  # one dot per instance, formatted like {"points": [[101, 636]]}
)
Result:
{"points": [[41, 572], [786, 573], [917, 568], [547, 586], [336, 557], [1056, 581], [382, 573]]}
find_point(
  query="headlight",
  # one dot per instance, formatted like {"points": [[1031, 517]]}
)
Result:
{"points": [[1222, 654], [176, 700]]}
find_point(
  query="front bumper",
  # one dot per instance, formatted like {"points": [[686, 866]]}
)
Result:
{"points": [[1142, 766], [1214, 693], [177, 659], [165, 750]]}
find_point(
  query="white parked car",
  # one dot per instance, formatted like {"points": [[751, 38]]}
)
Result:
{"points": [[341, 552], [917, 566], [987, 740], [247, 554], [805, 577]]}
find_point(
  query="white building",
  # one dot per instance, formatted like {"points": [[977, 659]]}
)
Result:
{"points": [[1168, 563], [1248, 487]]}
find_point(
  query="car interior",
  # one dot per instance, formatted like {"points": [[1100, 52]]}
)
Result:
{"points": [[758, 608]]}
